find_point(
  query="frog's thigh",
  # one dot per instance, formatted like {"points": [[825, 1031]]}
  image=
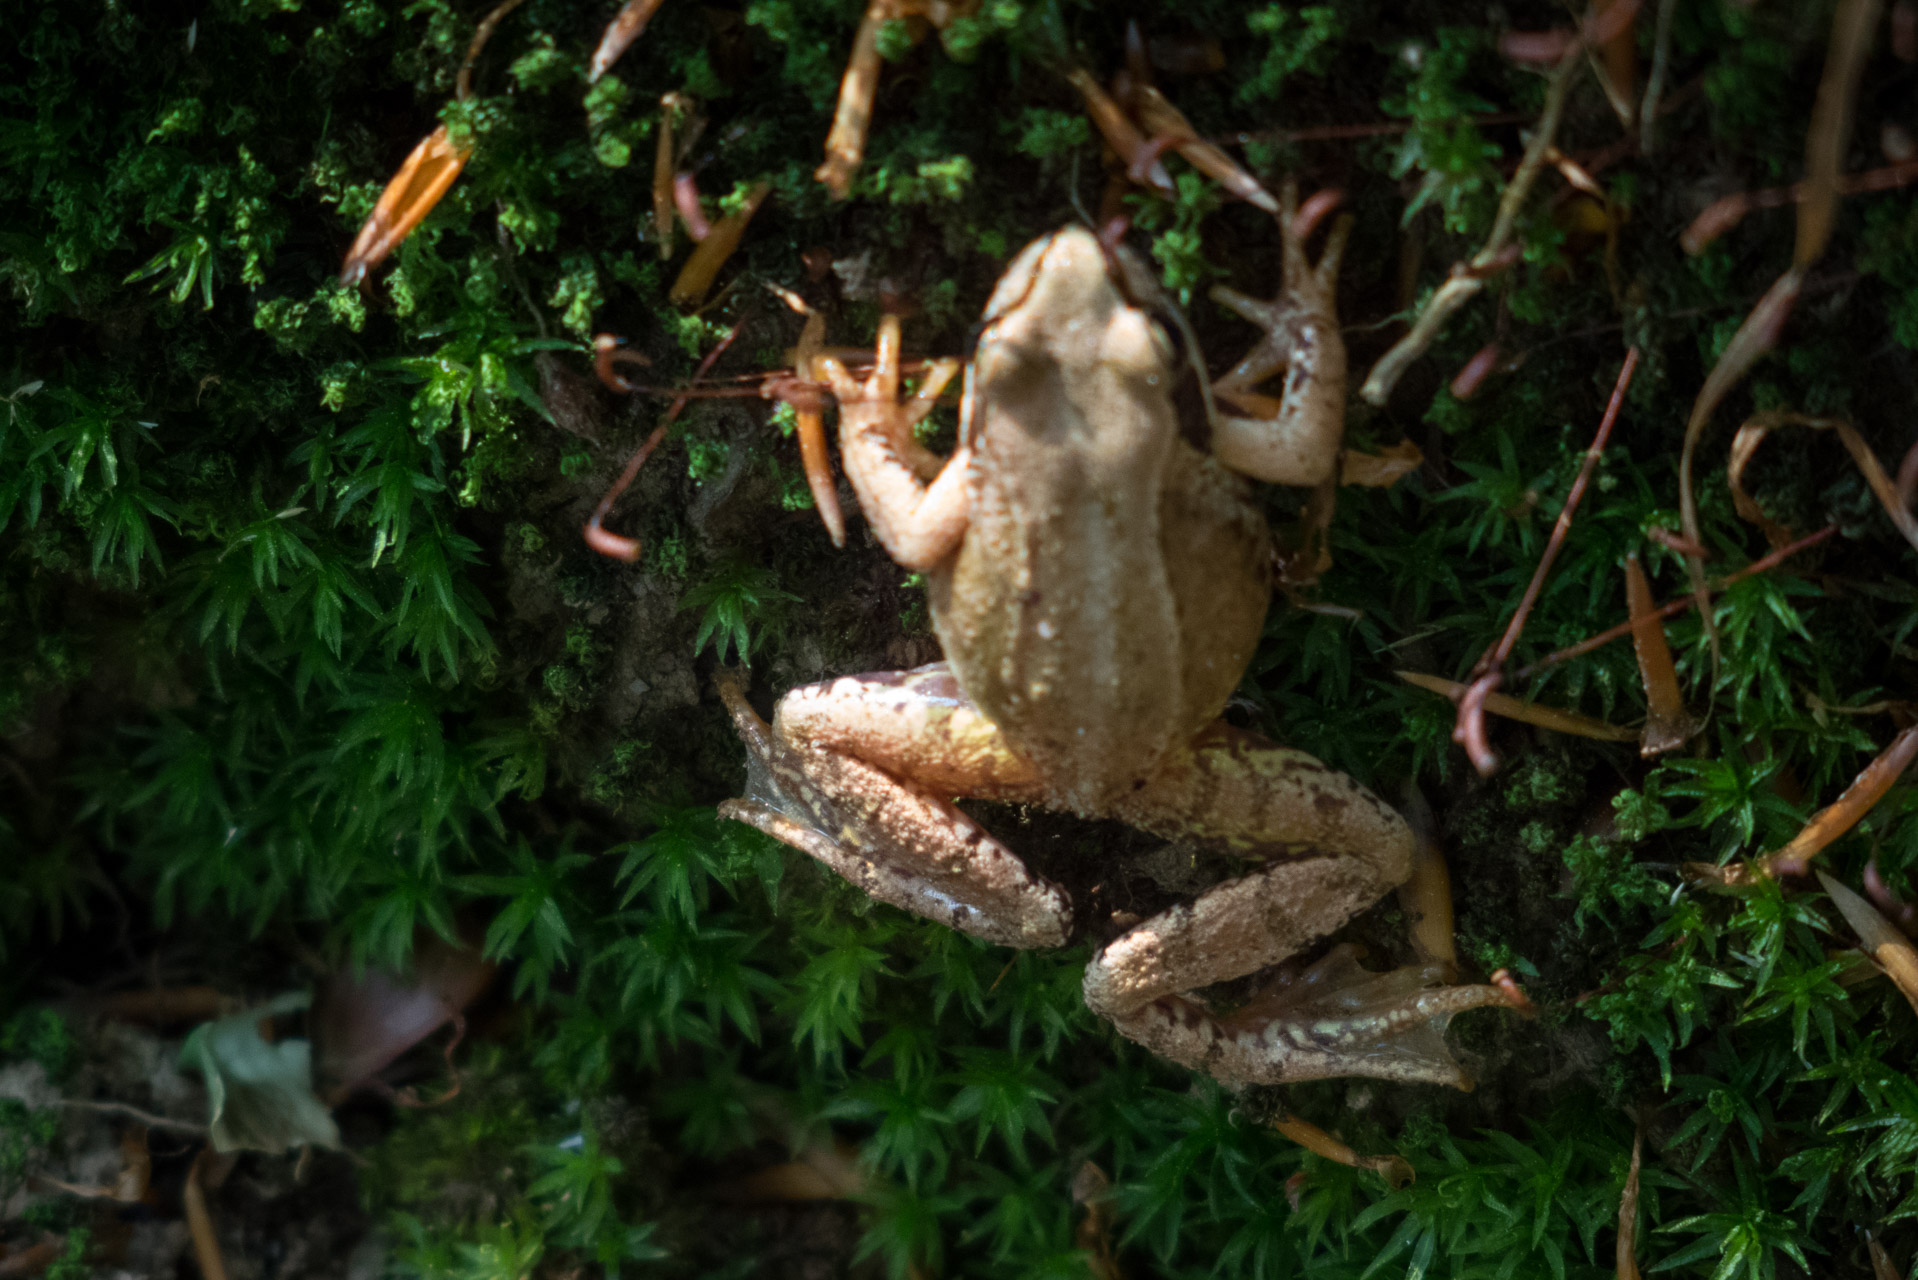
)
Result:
{"points": [[918, 725], [1337, 849], [881, 753]]}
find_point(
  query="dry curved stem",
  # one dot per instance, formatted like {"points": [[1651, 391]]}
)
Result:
{"points": [[1667, 724], [1426, 898], [1877, 938], [463, 83], [617, 546], [1844, 813], [664, 160], [1532, 713], [809, 418], [1723, 214], [627, 26], [1753, 433], [696, 277], [1901, 913], [1468, 277], [206, 1241], [1648, 110], [1754, 338], [1852, 23], [1395, 1169], [1469, 732], [1824, 145], [132, 1112]]}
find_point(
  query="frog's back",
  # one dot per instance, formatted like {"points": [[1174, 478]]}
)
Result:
{"points": [[1082, 613]]}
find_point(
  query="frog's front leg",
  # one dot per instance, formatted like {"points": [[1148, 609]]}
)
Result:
{"points": [[1295, 438], [916, 508], [1333, 849], [855, 773]]}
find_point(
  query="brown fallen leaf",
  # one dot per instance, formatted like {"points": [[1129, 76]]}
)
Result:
{"points": [[1889, 494], [1667, 724], [696, 277], [426, 175], [199, 1221], [1877, 938], [1628, 1212], [1532, 713], [363, 1022]]}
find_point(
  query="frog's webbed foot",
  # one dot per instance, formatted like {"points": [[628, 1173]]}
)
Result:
{"points": [[1334, 1019], [1332, 848], [898, 843], [1292, 438]]}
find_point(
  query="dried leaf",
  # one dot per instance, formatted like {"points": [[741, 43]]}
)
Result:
{"points": [[427, 174], [1852, 23], [1155, 112], [206, 1241], [663, 177], [1500, 704], [1116, 127], [33, 1259], [1891, 949], [1628, 1212], [1753, 433], [259, 1096], [696, 277], [363, 1022], [1667, 724]]}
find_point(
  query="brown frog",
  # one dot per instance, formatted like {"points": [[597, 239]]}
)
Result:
{"points": [[1099, 585]]}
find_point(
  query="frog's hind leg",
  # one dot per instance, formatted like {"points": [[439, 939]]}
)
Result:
{"points": [[1334, 849], [901, 842]]}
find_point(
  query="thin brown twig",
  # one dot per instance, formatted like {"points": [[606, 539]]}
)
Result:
{"points": [[603, 540], [1486, 675], [1673, 608], [1468, 278], [146, 1118]]}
